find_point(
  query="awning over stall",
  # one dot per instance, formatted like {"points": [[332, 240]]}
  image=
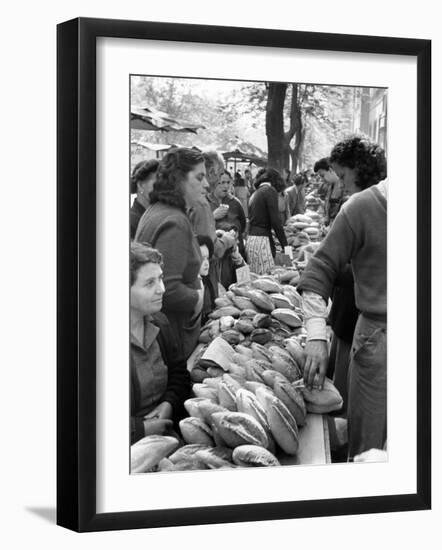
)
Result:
{"points": [[149, 118]]}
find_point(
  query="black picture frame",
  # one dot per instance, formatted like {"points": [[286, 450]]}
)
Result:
{"points": [[76, 273]]}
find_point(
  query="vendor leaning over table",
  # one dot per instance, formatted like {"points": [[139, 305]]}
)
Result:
{"points": [[160, 382], [357, 236]]}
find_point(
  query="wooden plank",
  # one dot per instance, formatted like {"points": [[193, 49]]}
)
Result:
{"points": [[326, 440], [314, 446]]}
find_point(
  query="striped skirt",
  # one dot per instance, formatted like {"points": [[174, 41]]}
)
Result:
{"points": [[259, 255]]}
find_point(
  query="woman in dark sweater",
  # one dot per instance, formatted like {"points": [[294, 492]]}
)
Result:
{"points": [[160, 382], [263, 217], [180, 182]]}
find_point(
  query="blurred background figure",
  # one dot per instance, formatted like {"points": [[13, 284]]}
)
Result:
{"points": [[227, 209], [296, 195], [248, 179], [263, 218], [242, 193], [141, 183], [203, 219], [229, 214], [206, 248], [334, 190]]}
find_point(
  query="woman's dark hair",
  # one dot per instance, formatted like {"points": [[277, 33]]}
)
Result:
{"points": [[204, 240], [299, 179], [322, 164], [238, 180], [368, 158], [141, 254], [141, 171], [173, 168], [272, 176]]}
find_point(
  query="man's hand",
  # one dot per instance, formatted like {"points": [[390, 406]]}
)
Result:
{"points": [[316, 359]]}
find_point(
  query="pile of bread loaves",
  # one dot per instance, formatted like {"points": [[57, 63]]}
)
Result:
{"points": [[303, 229], [249, 402]]}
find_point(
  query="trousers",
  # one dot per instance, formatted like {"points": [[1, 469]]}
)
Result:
{"points": [[367, 387]]}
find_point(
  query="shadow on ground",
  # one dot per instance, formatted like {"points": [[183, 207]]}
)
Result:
{"points": [[49, 514]]}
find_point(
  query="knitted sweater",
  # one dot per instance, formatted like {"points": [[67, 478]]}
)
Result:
{"points": [[358, 236], [264, 215]]}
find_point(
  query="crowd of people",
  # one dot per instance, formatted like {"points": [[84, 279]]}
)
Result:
{"points": [[193, 224]]}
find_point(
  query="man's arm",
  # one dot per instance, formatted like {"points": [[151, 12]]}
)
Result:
{"points": [[316, 348]]}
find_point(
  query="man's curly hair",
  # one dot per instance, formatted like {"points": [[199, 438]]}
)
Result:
{"points": [[368, 158], [173, 169]]}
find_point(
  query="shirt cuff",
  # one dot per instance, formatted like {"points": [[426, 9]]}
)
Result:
{"points": [[316, 328]]}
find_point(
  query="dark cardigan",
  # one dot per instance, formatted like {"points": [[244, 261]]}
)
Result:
{"points": [[136, 213], [178, 382], [264, 216]]}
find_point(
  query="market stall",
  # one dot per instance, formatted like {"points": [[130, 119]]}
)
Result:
{"points": [[146, 117], [244, 153], [248, 405]]}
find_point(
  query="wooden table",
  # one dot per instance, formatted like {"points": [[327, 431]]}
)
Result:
{"points": [[314, 443], [314, 437]]}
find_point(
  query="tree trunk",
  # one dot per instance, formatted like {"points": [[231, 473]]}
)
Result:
{"points": [[296, 129], [277, 149], [278, 142]]}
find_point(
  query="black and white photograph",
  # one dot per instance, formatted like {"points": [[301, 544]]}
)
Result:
{"points": [[226, 265], [200, 253], [258, 274]]}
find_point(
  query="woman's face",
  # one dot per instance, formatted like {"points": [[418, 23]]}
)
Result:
{"points": [[195, 184], [223, 187], [146, 293], [145, 186], [204, 269], [348, 177]]}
